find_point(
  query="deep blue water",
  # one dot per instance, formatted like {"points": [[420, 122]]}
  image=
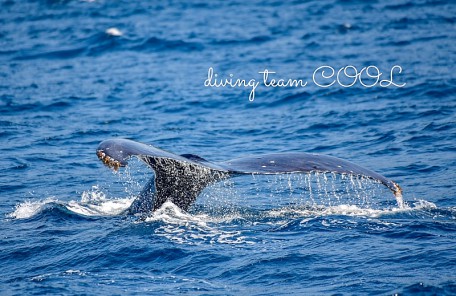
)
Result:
{"points": [[74, 73]]}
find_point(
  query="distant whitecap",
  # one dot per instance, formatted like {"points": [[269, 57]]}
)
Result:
{"points": [[114, 32]]}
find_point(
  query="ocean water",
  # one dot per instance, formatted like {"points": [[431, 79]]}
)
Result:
{"points": [[74, 73]]}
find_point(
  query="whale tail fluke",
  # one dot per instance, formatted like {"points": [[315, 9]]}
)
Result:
{"points": [[181, 178]]}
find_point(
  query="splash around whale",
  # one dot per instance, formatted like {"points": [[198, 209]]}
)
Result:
{"points": [[181, 178]]}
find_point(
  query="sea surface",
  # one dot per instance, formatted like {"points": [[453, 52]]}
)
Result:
{"points": [[74, 73]]}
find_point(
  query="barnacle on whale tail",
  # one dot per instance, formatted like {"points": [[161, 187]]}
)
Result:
{"points": [[108, 161], [398, 194]]}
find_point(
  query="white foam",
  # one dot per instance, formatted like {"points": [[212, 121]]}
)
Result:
{"points": [[106, 208], [74, 271], [344, 210], [94, 203], [182, 227], [113, 32], [29, 208], [424, 205]]}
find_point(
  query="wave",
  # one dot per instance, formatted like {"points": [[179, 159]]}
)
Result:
{"points": [[185, 228], [234, 225], [104, 42], [445, 288], [94, 203], [28, 209]]}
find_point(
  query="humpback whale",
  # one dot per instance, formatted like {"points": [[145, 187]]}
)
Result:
{"points": [[181, 178]]}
